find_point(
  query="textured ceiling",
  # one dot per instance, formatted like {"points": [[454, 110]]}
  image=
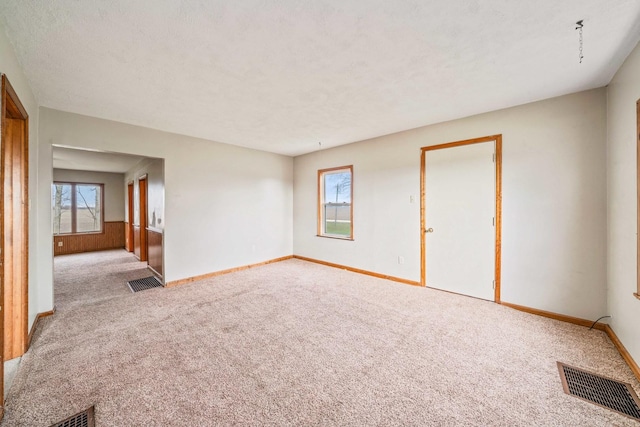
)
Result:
{"points": [[69, 158], [283, 75]]}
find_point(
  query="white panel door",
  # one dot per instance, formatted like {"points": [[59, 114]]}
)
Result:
{"points": [[459, 219]]}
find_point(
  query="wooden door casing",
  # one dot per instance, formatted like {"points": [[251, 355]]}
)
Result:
{"points": [[498, 205], [142, 192], [14, 232]]}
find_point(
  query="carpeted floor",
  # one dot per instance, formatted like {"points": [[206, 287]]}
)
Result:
{"points": [[295, 343]]}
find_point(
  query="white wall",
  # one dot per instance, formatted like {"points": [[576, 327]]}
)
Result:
{"points": [[40, 299], [113, 188], [623, 92], [554, 195], [225, 206]]}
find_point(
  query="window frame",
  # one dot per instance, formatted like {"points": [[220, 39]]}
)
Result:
{"points": [[74, 208], [321, 202]]}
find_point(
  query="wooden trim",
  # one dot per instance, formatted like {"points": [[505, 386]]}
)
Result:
{"points": [[221, 272], [112, 237], [143, 213], [623, 351], [14, 326], [8, 89], [335, 237], [498, 205], [463, 142], [556, 316], [136, 242], [638, 197], [357, 270], [586, 323], [3, 325], [636, 295], [319, 204], [155, 251], [498, 223], [423, 227], [35, 324], [321, 172]]}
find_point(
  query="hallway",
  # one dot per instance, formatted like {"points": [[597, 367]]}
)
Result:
{"points": [[94, 277]]}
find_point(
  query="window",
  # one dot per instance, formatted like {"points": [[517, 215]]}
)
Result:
{"points": [[335, 210], [77, 208]]}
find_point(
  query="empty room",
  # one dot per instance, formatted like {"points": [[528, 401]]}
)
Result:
{"points": [[319, 213]]}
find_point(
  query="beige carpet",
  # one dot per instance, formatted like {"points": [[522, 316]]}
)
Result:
{"points": [[295, 343]]}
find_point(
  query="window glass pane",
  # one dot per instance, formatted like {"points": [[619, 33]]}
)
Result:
{"points": [[88, 209], [337, 203], [61, 204]]}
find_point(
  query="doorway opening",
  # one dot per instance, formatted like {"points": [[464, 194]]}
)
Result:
{"points": [[102, 188]]}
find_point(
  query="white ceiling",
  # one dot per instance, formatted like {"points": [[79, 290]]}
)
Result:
{"points": [[283, 75], [70, 158]]}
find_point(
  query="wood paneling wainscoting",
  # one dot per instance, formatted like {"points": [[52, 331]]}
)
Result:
{"points": [[154, 239], [136, 241], [112, 237], [128, 237]]}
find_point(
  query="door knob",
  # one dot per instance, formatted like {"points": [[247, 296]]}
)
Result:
{"points": [[429, 230]]}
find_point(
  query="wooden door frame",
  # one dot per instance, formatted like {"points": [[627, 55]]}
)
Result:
{"points": [[130, 203], [11, 108], [637, 293], [143, 213], [498, 204]]}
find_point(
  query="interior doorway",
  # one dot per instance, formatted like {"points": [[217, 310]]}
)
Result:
{"points": [[461, 217], [141, 249], [116, 175], [14, 228]]}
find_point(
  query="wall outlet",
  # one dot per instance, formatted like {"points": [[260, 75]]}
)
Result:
{"points": [[412, 198], [59, 244], [400, 260]]}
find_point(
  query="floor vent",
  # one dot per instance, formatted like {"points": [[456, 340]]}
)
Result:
{"points": [[144, 283], [82, 419], [602, 391]]}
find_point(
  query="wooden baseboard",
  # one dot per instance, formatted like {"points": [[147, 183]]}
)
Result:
{"points": [[221, 272], [587, 323], [357, 270], [623, 351], [562, 317], [35, 324]]}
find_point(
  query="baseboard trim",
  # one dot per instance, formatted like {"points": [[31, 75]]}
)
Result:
{"points": [[357, 270], [35, 324], [551, 315], [623, 351], [221, 272], [587, 323]]}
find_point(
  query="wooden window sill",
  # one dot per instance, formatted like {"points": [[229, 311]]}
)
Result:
{"points": [[77, 234]]}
